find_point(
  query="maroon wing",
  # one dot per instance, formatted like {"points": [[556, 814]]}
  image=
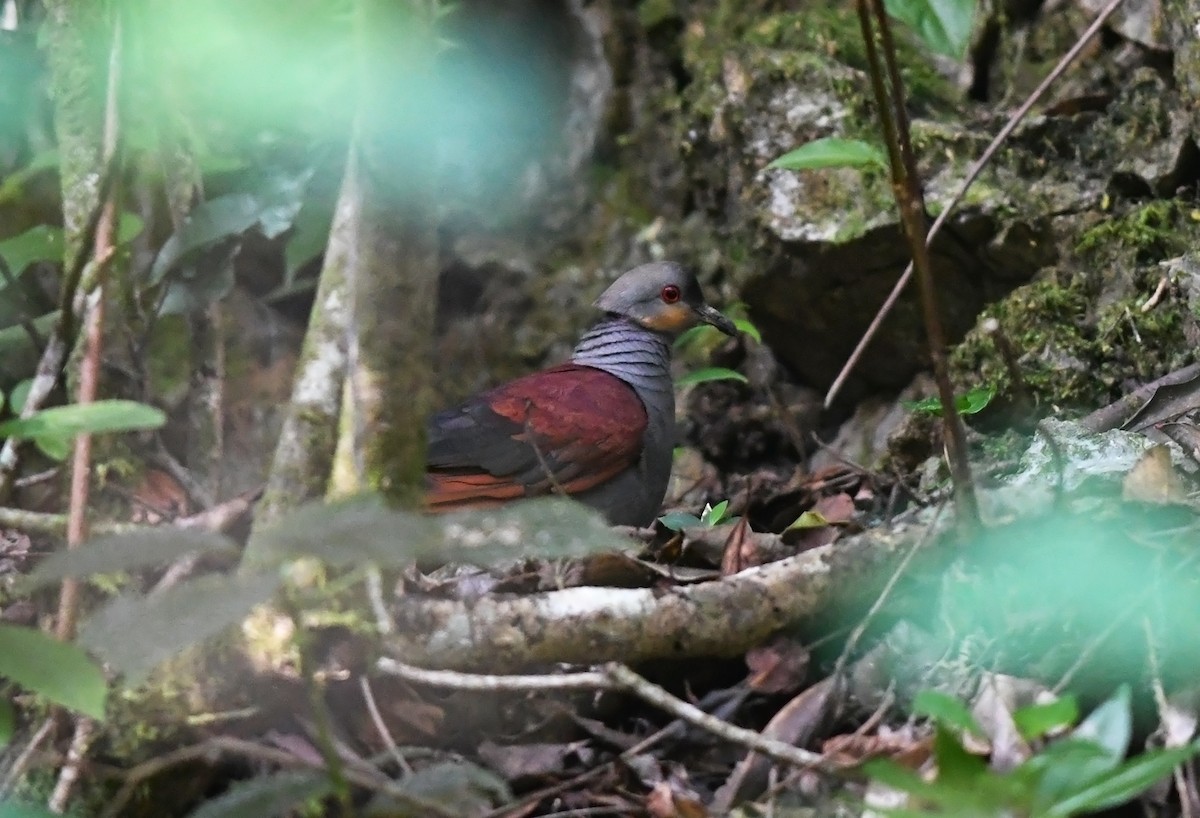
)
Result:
{"points": [[568, 428]]}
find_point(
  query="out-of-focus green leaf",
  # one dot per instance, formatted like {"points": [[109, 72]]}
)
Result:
{"points": [[831, 152], [460, 787], [1037, 720], [312, 234], [710, 373], [363, 530], [957, 768], [146, 548], [14, 183], [40, 243], [54, 447], [20, 393], [209, 221], [201, 281], [1109, 725], [58, 671], [747, 326], [13, 809], [8, 722], [136, 633], [85, 418], [1124, 784], [129, 226], [267, 796], [653, 12], [679, 520], [946, 710], [943, 25], [1059, 770]]}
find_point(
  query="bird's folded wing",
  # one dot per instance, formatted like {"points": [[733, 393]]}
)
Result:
{"points": [[564, 429]]}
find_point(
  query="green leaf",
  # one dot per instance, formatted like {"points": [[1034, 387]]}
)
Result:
{"points": [[362, 530], [54, 447], [898, 777], [1060, 769], [1123, 784], [8, 722], [652, 12], [943, 25], [679, 520], [20, 393], [209, 221], [711, 373], [80, 418], [267, 796], [170, 621], [810, 519], [947, 711], [40, 243], [969, 403], [149, 547], [308, 240], [460, 787], [13, 187], [273, 208], [714, 514], [957, 768], [58, 671], [2, 400], [747, 326], [831, 152], [1037, 720], [975, 400], [129, 226], [1109, 725]]}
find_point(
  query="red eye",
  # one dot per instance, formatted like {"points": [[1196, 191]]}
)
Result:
{"points": [[670, 294]]}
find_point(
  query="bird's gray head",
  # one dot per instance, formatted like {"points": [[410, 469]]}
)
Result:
{"points": [[663, 297]]}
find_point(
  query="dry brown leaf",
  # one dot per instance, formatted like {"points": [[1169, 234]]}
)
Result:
{"points": [[514, 762], [741, 552], [665, 801], [157, 498], [1153, 479], [777, 667], [795, 723], [838, 509], [851, 750]]}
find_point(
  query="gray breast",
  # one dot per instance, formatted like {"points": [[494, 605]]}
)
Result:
{"points": [[642, 359]]}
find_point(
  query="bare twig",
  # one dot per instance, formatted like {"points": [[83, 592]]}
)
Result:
{"points": [[381, 727], [614, 676], [68, 776], [89, 372], [893, 116], [491, 683], [972, 174], [21, 763]]}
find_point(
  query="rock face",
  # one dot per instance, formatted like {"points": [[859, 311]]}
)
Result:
{"points": [[668, 115]]}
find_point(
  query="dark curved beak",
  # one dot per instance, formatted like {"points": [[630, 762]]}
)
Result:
{"points": [[710, 315]]}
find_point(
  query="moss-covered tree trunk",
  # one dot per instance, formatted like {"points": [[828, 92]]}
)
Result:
{"points": [[364, 383], [76, 46], [394, 283]]}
